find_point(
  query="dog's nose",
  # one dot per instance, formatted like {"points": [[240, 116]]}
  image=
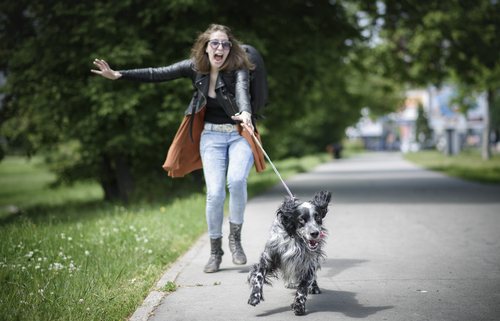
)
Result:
{"points": [[315, 235]]}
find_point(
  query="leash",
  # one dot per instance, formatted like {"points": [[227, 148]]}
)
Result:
{"points": [[274, 167]]}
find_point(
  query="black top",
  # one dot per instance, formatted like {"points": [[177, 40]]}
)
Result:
{"points": [[215, 114]]}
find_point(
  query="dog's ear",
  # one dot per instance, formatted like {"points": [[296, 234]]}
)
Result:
{"points": [[322, 199], [285, 211]]}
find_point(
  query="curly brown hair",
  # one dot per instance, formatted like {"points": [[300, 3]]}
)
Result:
{"points": [[236, 59]]}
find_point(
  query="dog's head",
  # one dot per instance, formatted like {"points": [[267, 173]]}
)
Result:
{"points": [[305, 220]]}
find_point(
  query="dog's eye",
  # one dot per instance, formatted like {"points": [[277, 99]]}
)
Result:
{"points": [[301, 220]]}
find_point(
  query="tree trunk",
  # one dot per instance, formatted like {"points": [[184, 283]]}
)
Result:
{"points": [[485, 150], [108, 179], [123, 177]]}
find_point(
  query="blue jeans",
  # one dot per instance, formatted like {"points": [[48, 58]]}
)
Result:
{"points": [[225, 154]]}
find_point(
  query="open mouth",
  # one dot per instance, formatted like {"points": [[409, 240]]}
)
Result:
{"points": [[313, 244], [218, 57]]}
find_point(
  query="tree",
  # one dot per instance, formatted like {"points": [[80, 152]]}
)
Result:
{"points": [[118, 132], [422, 124], [432, 41]]}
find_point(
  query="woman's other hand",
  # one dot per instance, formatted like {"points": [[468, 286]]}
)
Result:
{"points": [[246, 120], [104, 70]]}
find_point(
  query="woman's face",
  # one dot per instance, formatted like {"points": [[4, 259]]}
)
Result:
{"points": [[219, 55]]}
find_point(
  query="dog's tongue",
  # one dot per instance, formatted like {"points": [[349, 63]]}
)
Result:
{"points": [[321, 236]]}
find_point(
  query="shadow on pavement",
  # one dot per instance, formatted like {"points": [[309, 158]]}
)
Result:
{"points": [[336, 266], [341, 302], [332, 301]]}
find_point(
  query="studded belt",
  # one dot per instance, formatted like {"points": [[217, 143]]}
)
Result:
{"points": [[224, 128]]}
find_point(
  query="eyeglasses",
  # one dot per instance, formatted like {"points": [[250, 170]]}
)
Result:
{"points": [[226, 45]]}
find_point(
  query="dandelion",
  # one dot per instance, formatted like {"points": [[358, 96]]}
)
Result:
{"points": [[63, 236], [87, 253], [39, 259], [131, 227], [23, 268], [162, 209], [51, 293], [88, 309], [60, 254], [146, 241], [81, 301], [150, 251], [70, 238], [115, 230]]}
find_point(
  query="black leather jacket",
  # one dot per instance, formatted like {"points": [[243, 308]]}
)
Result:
{"points": [[232, 88]]}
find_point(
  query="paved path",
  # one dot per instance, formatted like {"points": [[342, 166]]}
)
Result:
{"points": [[405, 244]]}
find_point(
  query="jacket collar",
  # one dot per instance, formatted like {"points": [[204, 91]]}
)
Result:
{"points": [[220, 82], [203, 82]]}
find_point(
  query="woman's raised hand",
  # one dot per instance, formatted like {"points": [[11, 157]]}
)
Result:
{"points": [[104, 70]]}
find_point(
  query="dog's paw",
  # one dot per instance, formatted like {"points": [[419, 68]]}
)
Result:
{"points": [[298, 308], [314, 289], [255, 299]]}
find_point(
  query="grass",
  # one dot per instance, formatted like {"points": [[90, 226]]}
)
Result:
{"points": [[25, 182], [467, 165], [67, 255]]}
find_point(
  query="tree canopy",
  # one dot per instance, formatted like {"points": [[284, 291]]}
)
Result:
{"points": [[426, 41], [118, 132]]}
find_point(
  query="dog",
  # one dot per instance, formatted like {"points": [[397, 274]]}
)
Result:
{"points": [[294, 250]]}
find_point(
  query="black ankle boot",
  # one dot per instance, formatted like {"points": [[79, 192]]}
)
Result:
{"points": [[239, 257], [216, 254]]}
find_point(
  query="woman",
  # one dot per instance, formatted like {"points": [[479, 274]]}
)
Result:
{"points": [[209, 136]]}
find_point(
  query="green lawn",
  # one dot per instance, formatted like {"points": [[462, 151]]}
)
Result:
{"points": [[68, 255], [25, 183], [467, 165]]}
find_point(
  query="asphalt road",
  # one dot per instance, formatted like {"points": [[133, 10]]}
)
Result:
{"points": [[405, 243]]}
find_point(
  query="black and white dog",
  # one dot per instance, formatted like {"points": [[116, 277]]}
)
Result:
{"points": [[294, 250]]}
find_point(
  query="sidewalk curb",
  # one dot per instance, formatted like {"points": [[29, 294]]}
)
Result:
{"points": [[155, 297]]}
